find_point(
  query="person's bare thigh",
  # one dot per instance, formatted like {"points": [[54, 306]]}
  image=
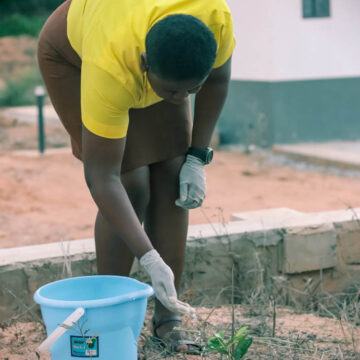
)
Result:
{"points": [[60, 67]]}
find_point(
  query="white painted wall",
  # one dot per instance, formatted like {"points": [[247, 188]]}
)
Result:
{"points": [[252, 58], [275, 43]]}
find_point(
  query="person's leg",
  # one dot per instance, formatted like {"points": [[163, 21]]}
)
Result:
{"points": [[64, 92], [112, 255], [166, 225]]}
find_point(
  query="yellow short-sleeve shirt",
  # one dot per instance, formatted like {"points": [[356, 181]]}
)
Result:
{"points": [[109, 36]]}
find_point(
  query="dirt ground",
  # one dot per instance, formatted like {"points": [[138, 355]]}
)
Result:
{"points": [[45, 199], [319, 338]]}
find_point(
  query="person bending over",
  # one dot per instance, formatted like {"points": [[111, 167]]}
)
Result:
{"points": [[119, 74]]}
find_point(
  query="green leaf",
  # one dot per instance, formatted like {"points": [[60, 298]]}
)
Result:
{"points": [[238, 337], [217, 343], [220, 338], [236, 340], [241, 331], [214, 343], [242, 348]]}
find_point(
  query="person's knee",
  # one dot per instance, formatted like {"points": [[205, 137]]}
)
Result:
{"points": [[169, 168], [165, 180]]}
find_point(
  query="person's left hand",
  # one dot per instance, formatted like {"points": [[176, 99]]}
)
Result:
{"points": [[192, 183]]}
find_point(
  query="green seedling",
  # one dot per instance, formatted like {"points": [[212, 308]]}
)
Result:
{"points": [[235, 348]]}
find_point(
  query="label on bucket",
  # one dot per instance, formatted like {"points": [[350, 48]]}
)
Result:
{"points": [[84, 346]]}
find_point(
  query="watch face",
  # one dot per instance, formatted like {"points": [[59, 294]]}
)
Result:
{"points": [[204, 155], [209, 156]]}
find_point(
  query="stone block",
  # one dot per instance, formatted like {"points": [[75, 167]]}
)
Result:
{"points": [[349, 242], [254, 252], [20, 280], [277, 214], [309, 248]]}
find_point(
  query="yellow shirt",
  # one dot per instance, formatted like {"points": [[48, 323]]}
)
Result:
{"points": [[109, 36]]}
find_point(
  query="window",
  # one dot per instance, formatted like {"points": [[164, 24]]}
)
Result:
{"points": [[316, 8]]}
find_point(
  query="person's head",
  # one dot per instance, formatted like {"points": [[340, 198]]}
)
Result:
{"points": [[180, 53]]}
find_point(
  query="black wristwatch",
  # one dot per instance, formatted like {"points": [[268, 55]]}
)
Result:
{"points": [[205, 155]]}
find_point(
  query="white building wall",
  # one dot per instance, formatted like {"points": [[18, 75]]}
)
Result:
{"points": [[252, 59], [275, 43]]}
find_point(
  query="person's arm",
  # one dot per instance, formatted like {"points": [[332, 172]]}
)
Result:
{"points": [[208, 105], [104, 111], [102, 159]]}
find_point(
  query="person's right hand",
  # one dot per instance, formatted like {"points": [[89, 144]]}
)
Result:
{"points": [[162, 279], [192, 181]]}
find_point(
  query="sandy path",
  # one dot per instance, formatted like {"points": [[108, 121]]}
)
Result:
{"points": [[45, 199]]}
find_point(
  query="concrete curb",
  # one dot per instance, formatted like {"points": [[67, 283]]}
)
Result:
{"points": [[295, 247], [320, 154]]}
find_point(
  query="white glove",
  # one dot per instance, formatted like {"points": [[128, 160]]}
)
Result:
{"points": [[192, 183], [162, 279]]}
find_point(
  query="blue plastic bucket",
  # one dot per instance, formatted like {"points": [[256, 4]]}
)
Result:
{"points": [[115, 308]]}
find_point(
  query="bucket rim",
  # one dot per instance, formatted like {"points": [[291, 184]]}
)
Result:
{"points": [[109, 301]]}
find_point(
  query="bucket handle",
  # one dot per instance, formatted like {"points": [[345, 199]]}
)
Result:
{"points": [[60, 330]]}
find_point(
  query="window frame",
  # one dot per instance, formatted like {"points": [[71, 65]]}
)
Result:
{"points": [[312, 9]]}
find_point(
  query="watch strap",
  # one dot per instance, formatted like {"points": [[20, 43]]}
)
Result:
{"points": [[204, 154]]}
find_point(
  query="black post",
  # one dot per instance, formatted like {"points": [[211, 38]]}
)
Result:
{"points": [[39, 92]]}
